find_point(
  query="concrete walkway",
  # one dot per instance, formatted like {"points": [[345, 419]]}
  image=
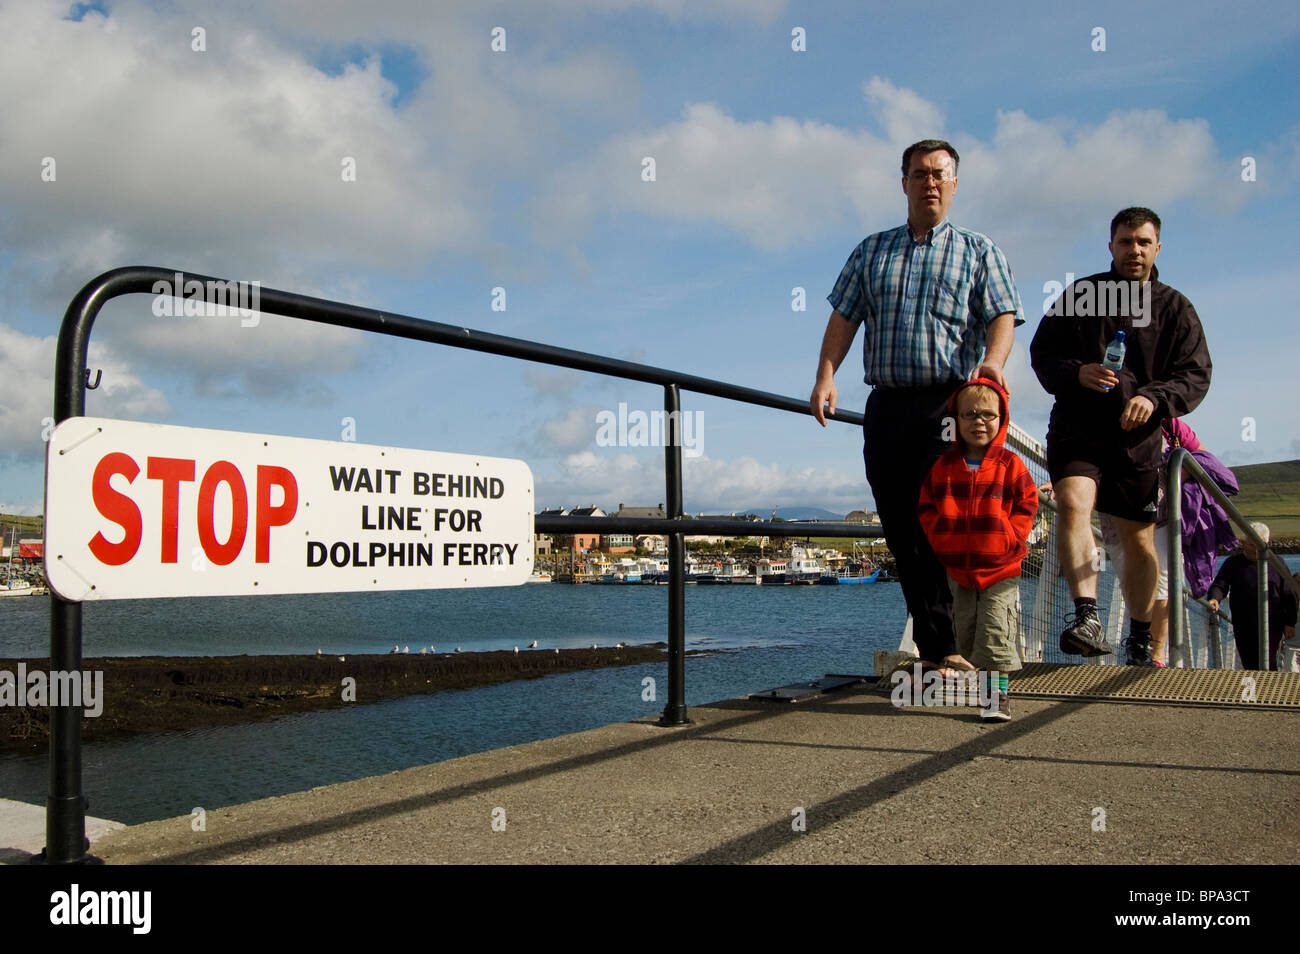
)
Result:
{"points": [[1062, 782], [22, 830]]}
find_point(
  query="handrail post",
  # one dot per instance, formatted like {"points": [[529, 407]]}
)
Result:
{"points": [[1261, 606], [1174, 524], [675, 709], [65, 804]]}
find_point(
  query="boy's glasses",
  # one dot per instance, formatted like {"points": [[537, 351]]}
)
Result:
{"points": [[988, 417]]}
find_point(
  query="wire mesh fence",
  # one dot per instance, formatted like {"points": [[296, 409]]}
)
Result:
{"points": [[1045, 598]]}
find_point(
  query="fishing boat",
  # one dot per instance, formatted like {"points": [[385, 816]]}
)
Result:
{"points": [[20, 588], [699, 571], [857, 568], [768, 572], [805, 569], [16, 586], [655, 570], [853, 573], [733, 571]]}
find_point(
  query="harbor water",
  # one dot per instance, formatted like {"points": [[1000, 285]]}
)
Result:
{"points": [[763, 637]]}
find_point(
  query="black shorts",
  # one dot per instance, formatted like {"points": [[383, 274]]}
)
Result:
{"points": [[1122, 489]]}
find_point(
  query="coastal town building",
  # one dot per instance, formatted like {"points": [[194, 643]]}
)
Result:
{"points": [[653, 543], [862, 516], [617, 542], [641, 512], [578, 542]]}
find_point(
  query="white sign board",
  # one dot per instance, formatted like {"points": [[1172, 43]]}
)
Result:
{"points": [[140, 510]]}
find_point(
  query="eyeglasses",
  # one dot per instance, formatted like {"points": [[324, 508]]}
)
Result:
{"points": [[920, 176], [988, 417]]}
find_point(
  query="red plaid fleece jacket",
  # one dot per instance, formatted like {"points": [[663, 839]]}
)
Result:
{"points": [[977, 521]]}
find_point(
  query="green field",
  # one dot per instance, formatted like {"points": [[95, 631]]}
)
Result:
{"points": [[1271, 493], [27, 527]]}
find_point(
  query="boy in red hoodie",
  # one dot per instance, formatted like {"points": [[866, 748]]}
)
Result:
{"points": [[977, 507]]}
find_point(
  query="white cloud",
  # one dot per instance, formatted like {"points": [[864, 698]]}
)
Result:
{"points": [[230, 158], [262, 355], [552, 382], [774, 182], [397, 19], [711, 486], [27, 389], [1034, 186], [575, 429], [904, 114], [1040, 184]]}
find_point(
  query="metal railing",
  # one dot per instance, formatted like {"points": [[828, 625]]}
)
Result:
{"points": [[65, 804], [1181, 464]]}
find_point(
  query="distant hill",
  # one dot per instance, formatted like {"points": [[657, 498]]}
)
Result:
{"points": [[26, 526], [1271, 493]]}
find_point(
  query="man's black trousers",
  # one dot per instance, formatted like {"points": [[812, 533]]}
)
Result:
{"points": [[902, 438]]}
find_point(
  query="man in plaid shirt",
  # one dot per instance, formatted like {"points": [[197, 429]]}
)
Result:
{"points": [[939, 306]]}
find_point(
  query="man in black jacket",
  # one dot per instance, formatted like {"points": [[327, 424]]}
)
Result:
{"points": [[1103, 442]]}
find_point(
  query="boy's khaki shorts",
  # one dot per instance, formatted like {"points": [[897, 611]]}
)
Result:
{"points": [[987, 624]]}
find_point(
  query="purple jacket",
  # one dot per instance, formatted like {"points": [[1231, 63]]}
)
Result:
{"points": [[1205, 524]]}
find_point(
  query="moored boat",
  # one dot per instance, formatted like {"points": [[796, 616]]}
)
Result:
{"points": [[851, 575], [804, 568]]}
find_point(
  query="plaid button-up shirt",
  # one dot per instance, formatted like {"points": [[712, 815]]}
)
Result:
{"points": [[925, 306]]}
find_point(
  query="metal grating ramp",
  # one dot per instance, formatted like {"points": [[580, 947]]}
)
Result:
{"points": [[1207, 687]]}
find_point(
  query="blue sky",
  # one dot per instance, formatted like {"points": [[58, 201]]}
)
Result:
{"points": [[521, 169]]}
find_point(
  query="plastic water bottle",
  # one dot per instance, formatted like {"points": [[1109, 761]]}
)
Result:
{"points": [[1115, 354]]}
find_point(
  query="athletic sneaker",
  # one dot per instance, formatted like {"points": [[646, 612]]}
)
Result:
{"points": [[1137, 651], [1084, 637], [1001, 714]]}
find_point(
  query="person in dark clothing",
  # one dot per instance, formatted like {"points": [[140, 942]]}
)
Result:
{"points": [[1237, 580], [1103, 440]]}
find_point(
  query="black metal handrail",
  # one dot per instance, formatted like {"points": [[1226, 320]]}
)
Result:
{"points": [[699, 526], [1182, 462], [65, 804]]}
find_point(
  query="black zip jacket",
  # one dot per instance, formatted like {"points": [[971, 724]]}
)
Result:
{"points": [[1167, 362]]}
